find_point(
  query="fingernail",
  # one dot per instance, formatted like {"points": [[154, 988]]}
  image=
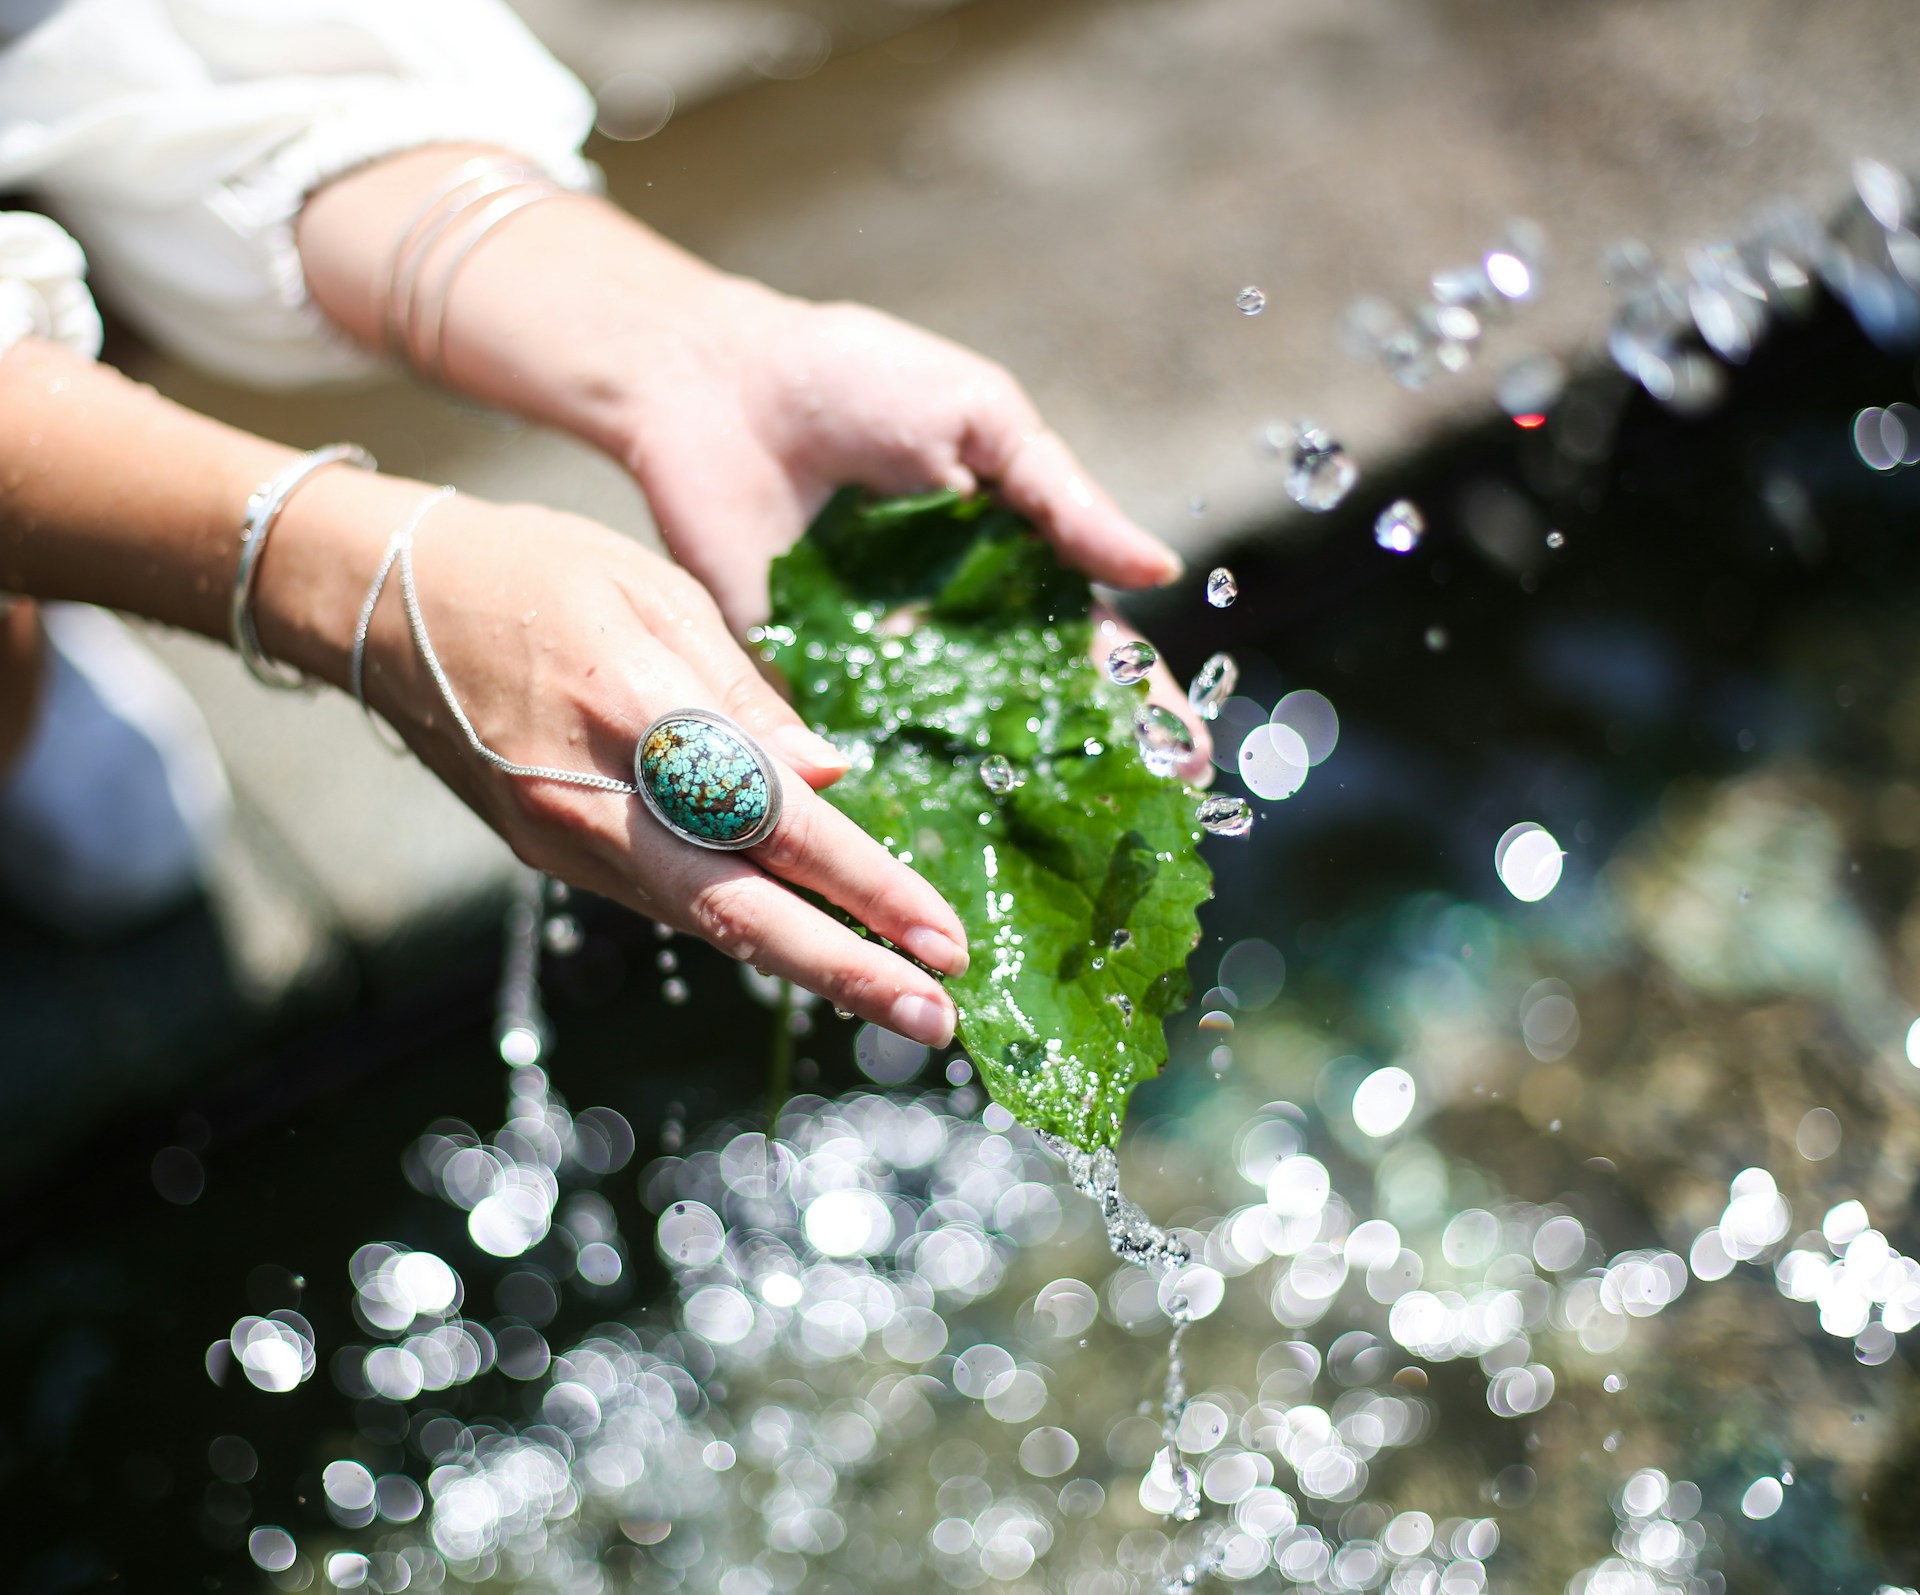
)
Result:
{"points": [[801, 746], [924, 1019], [936, 949]]}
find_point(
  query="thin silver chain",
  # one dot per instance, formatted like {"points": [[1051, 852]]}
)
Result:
{"points": [[400, 552]]}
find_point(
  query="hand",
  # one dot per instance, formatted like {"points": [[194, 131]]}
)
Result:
{"points": [[741, 436], [737, 409], [563, 641]]}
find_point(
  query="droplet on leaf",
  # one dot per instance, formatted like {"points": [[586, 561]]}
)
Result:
{"points": [[998, 774]]}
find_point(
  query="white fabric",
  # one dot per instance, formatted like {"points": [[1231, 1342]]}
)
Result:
{"points": [[179, 138], [42, 293]]}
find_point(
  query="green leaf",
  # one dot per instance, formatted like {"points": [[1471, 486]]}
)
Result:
{"points": [[923, 635]]}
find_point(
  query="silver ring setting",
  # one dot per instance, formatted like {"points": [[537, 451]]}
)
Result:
{"points": [[707, 781]]}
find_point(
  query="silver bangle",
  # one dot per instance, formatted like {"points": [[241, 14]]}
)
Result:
{"points": [[357, 668], [463, 188], [425, 352], [401, 548], [263, 509]]}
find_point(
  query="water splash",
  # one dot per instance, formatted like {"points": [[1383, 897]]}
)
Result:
{"points": [[1320, 472], [1400, 527], [1131, 663], [1213, 684], [1225, 815], [1165, 742], [1133, 1237]]}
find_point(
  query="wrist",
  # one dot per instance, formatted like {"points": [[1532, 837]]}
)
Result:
{"points": [[314, 573], [633, 322]]}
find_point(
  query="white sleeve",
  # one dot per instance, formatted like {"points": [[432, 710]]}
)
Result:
{"points": [[179, 138], [43, 293]]}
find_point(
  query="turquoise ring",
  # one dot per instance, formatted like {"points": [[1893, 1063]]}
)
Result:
{"points": [[706, 780]]}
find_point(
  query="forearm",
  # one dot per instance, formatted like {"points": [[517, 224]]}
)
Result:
{"points": [[110, 494], [563, 313]]}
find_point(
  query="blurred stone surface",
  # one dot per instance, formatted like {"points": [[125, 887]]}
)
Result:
{"points": [[1081, 189]]}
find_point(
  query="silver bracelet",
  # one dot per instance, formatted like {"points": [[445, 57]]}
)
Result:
{"points": [[263, 509], [466, 186], [400, 552], [357, 667], [426, 352]]}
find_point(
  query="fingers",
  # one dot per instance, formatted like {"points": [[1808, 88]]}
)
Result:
{"points": [[812, 846], [1110, 630], [752, 917], [726, 514], [817, 847], [685, 618], [1037, 475]]}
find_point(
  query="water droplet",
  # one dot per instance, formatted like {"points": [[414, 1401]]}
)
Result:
{"points": [[1320, 473], [1367, 324], [1512, 277], [1531, 385], [998, 774], [1119, 939], [1222, 589], [1556, 539], [1226, 816], [1165, 742], [1400, 527], [1436, 639], [1454, 330], [1124, 1003], [1131, 662], [674, 991], [1410, 357], [1250, 301], [562, 935], [1461, 285], [1212, 685], [1186, 1484]]}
